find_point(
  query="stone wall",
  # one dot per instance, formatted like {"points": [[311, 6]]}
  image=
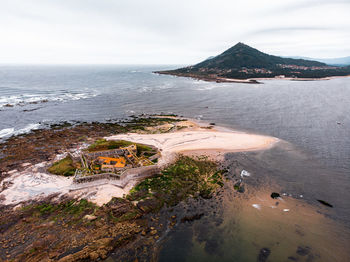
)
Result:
{"points": [[122, 179]]}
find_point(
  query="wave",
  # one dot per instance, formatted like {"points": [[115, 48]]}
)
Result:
{"points": [[7, 132], [25, 99]]}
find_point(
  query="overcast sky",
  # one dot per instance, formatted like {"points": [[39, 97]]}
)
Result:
{"points": [[168, 32]]}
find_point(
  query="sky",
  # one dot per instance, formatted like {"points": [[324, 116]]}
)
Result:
{"points": [[168, 32]]}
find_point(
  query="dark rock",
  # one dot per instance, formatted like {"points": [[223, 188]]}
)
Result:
{"points": [[275, 195], [303, 251], [264, 254], [292, 258], [241, 189], [324, 203], [191, 218]]}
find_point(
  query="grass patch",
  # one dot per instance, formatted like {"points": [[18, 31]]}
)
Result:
{"points": [[72, 209], [103, 144], [186, 177], [63, 167]]}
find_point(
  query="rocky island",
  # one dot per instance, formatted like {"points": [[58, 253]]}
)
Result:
{"points": [[244, 64]]}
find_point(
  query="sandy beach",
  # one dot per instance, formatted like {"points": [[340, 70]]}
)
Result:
{"points": [[197, 141]]}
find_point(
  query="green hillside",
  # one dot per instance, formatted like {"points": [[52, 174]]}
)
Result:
{"points": [[242, 55], [244, 62]]}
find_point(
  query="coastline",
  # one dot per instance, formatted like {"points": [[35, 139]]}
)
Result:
{"points": [[254, 80]]}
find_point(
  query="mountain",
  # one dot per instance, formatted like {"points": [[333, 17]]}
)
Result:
{"points": [[242, 55], [341, 61], [244, 62]]}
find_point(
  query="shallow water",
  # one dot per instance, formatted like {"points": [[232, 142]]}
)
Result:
{"points": [[251, 226]]}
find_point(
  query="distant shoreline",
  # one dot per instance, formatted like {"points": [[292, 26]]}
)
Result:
{"points": [[245, 81]]}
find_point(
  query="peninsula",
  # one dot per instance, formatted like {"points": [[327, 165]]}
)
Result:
{"points": [[242, 63]]}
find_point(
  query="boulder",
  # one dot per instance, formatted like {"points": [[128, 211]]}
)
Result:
{"points": [[275, 195]]}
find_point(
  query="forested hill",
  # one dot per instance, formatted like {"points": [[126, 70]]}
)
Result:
{"points": [[244, 62], [242, 55]]}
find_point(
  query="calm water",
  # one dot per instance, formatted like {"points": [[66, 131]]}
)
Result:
{"points": [[313, 116]]}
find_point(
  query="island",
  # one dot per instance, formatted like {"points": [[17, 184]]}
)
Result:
{"points": [[242, 63]]}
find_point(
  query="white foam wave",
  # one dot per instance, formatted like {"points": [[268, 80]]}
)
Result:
{"points": [[11, 131], [6, 132], [24, 99], [27, 129]]}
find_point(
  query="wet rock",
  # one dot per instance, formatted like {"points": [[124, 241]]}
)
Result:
{"points": [[303, 251], [263, 254], [191, 218], [149, 205], [324, 203], [241, 189], [275, 195], [153, 232]]}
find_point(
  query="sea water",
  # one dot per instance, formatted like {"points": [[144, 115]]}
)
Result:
{"points": [[312, 117]]}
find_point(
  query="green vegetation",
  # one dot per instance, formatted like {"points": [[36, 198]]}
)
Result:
{"points": [[139, 123], [240, 62], [241, 55], [75, 210], [63, 167], [104, 144], [187, 177]]}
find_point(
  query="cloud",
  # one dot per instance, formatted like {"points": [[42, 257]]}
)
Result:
{"points": [[159, 31]]}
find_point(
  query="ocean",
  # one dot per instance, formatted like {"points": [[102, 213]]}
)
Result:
{"points": [[312, 117]]}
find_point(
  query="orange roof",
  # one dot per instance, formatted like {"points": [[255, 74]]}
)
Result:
{"points": [[116, 162]]}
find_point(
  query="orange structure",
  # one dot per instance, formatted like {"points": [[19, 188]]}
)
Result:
{"points": [[111, 162]]}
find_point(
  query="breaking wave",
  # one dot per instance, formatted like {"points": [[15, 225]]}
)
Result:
{"points": [[25, 99], [7, 132]]}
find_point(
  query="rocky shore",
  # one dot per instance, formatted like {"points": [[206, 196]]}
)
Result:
{"points": [[65, 227]]}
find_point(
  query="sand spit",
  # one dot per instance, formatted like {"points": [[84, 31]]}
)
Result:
{"points": [[210, 142]]}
